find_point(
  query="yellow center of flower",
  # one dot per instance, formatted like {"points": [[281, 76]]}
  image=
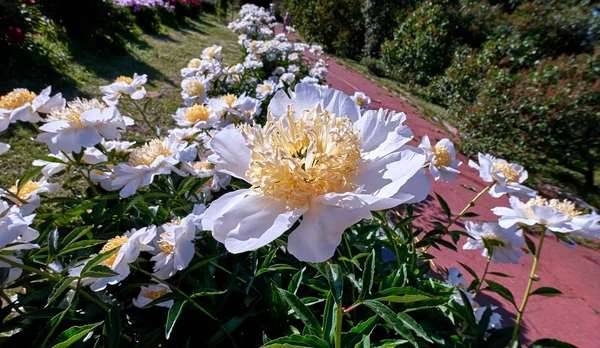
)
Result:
{"points": [[111, 244], [442, 156], [128, 80], [293, 160], [509, 172], [565, 206], [360, 101], [72, 113], [197, 113], [148, 153], [211, 51], [26, 190], [194, 88], [203, 165], [153, 295], [229, 99], [164, 245], [266, 88], [16, 98], [194, 63]]}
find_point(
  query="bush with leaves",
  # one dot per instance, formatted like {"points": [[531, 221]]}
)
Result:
{"points": [[294, 229]]}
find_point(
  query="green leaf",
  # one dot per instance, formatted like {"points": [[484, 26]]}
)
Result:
{"points": [[546, 291], [111, 332], [365, 342], [410, 323], [403, 299], [303, 312], [330, 319], [336, 281], [151, 340], [98, 259], [99, 271], [74, 334], [59, 288], [469, 270], [390, 318], [207, 292], [297, 341], [228, 328], [84, 244], [502, 291], [530, 244], [50, 159], [499, 274], [551, 343], [172, 317], [53, 241], [364, 328], [296, 280], [444, 206], [470, 188], [75, 235], [28, 176], [275, 268], [367, 277]]}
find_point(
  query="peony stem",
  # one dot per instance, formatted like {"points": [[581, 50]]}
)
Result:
{"points": [[145, 118], [338, 327], [532, 278], [485, 271], [471, 204]]}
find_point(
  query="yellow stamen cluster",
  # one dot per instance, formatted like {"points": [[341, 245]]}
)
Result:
{"points": [[16, 98], [266, 88], [211, 51], [565, 206], [442, 156], [128, 80], [153, 295], [26, 190], [164, 245], [194, 63], [197, 113], [203, 165], [146, 154], [509, 172], [111, 244], [229, 99], [195, 87], [293, 160], [360, 101], [74, 109]]}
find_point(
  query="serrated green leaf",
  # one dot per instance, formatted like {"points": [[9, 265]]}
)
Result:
{"points": [[303, 312], [390, 318], [295, 282], [172, 316], [275, 268], [98, 259], [75, 235], [74, 334], [84, 244], [336, 281], [207, 292]]}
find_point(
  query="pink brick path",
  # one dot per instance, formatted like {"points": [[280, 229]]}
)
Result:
{"points": [[573, 317]]}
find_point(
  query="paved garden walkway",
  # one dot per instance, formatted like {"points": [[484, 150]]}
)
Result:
{"points": [[573, 317]]}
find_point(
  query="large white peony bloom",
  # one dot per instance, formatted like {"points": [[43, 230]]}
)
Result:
{"points": [[23, 105], [124, 85], [150, 293], [506, 177], [501, 243], [442, 159], [83, 123], [193, 90], [316, 158]]}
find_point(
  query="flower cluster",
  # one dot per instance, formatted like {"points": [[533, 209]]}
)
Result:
{"points": [[137, 5]]}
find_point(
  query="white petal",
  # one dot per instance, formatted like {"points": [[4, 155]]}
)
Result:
{"points": [[382, 134], [219, 207], [233, 155]]}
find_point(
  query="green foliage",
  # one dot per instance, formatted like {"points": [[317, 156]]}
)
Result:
{"points": [[380, 20]]}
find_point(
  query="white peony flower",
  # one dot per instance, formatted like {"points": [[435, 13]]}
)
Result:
{"points": [[124, 85], [456, 280], [4, 147], [130, 245], [507, 177], [159, 156], [495, 318], [23, 105], [150, 293], [83, 123], [287, 78], [293, 57], [442, 159], [15, 234], [28, 194], [212, 52], [319, 72], [266, 89], [175, 247], [316, 158], [501, 243], [317, 50], [197, 116], [194, 90], [309, 80], [233, 109], [53, 167], [361, 99]]}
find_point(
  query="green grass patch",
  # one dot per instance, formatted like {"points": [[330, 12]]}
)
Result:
{"points": [[159, 56]]}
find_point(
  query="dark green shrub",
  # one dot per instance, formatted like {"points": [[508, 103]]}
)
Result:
{"points": [[148, 19], [375, 66], [380, 21], [544, 115]]}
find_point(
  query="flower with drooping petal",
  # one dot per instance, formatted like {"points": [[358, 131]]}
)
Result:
{"points": [[362, 100], [442, 159], [456, 280], [501, 243], [83, 123], [158, 156], [317, 158], [130, 245], [197, 116], [506, 177], [28, 193], [175, 246], [124, 85], [150, 293], [23, 105], [194, 90]]}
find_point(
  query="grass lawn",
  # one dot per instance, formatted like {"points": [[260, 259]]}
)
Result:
{"points": [[159, 56], [554, 175]]}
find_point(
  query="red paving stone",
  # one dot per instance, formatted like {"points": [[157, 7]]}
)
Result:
{"points": [[573, 317]]}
